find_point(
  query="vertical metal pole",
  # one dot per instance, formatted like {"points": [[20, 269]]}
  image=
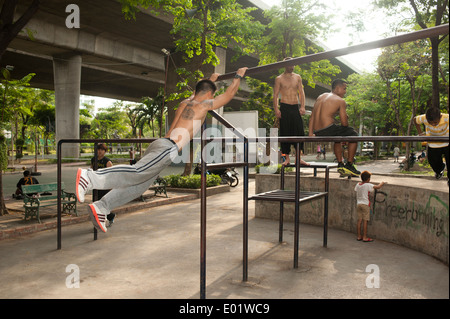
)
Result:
{"points": [[280, 230], [95, 192], [245, 213], [203, 217], [297, 203], [325, 212], [58, 179]]}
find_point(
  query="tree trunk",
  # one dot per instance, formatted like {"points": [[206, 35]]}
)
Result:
{"points": [[3, 209], [435, 71]]}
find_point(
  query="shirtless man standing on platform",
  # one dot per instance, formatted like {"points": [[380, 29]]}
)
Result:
{"points": [[292, 106], [321, 123]]}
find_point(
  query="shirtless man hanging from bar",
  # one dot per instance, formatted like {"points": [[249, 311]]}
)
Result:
{"points": [[321, 123], [128, 182], [292, 106]]}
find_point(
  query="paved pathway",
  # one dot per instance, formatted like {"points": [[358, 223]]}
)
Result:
{"points": [[154, 253]]}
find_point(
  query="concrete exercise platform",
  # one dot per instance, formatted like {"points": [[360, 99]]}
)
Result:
{"points": [[154, 253]]}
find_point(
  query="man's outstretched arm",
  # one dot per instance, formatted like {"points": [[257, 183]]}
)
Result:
{"points": [[231, 91]]}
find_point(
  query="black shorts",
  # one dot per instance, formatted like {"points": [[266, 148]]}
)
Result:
{"points": [[336, 130], [291, 124]]}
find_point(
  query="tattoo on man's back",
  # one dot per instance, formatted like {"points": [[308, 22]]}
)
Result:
{"points": [[188, 113]]}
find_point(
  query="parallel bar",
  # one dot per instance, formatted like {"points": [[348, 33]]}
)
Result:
{"points": [[297, 198], [408, 37], [95, 192], [245, 216], [280, 228], [336, 139], [325, 209], [297, 204], [203, 221], [287, 196], [225, 165], [59, 191]]}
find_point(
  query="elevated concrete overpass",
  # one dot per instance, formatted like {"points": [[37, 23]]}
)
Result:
{"points": [[107, 56]]}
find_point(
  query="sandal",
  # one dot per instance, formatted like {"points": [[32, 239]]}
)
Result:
{"points": [[368, 240]]}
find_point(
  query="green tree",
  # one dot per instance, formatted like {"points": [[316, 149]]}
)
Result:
{"points": [[425, 14], [44, 119], [292, 29], [9, 96], [132, 114], [87, 113], [150, 110], [261, 99], [110, 122], [389, 99], [213, 23]]}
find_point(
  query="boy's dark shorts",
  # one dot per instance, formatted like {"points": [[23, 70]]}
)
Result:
{"points": [[336, 130]]}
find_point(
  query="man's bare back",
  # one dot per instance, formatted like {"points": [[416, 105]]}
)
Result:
{"points": [[326, 108], [192, 112], [188, 120]]}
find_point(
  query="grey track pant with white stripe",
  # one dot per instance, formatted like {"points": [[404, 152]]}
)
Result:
{"points": [[128, 182]]}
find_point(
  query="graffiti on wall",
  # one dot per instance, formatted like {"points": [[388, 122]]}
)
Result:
{"points": [[432, 215]]}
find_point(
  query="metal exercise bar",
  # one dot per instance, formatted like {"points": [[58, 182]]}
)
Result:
{"points": [[408, 37], [245, 213], [225, 165], [314, 166], [245, 196], [203, 204], [336, 139], [203, 219], [297, 204]]}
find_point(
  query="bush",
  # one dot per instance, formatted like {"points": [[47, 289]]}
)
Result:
{"points": [[191, 181]]}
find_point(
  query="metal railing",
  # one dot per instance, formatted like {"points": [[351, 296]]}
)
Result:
{"points": [[244, 164]]}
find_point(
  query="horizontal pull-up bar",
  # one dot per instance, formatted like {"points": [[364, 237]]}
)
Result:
{"points": [[408, 37], [274, 139], [337, 139]]}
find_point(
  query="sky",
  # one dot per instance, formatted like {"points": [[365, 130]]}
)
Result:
{"points": [[376, 25]]}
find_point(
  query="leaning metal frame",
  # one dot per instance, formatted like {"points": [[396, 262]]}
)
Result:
{"points": [[426, 33]]}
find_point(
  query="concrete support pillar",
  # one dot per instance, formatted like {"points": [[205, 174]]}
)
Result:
{"points": [[67, 77]]}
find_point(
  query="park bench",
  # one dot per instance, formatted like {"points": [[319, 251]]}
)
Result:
{"points": [[32, 203], [159, 186]]}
